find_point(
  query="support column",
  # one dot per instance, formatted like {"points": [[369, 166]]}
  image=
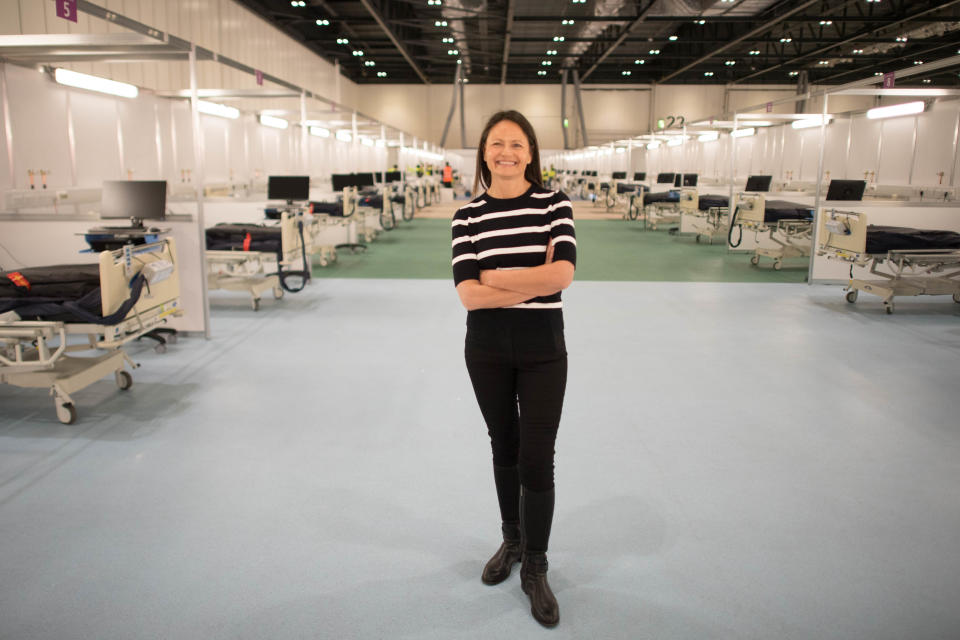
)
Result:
{"points": [[463, 116], [583, 122], [453, 106], [198, 170], [563, 107]]}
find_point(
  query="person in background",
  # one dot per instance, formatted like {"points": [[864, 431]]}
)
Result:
{"points": [[447, 175]]}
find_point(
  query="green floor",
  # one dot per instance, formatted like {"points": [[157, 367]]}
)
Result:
{"points": [[606, 250]]}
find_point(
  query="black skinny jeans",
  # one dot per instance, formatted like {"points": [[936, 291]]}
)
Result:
{"points": [[517, 361]]}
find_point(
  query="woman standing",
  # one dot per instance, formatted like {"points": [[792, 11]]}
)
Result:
{"points": [[514, 251]]}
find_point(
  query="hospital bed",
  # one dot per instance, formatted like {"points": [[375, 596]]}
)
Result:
{"points": [[787, 224], [914, 261], [129, 292], [252, 257], [619, 194], [705, 215]]}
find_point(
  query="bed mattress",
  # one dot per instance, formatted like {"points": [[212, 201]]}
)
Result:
{"points": [[661, 196], [626, 188], [329, 208], [61, 293], [244, 237], [708, 202], [777, 210], [881, 239]]}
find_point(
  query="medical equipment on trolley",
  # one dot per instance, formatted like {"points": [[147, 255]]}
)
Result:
{"points": [[905, 261], [711, 217], [787, 224], [126, 294], [252, 257]]}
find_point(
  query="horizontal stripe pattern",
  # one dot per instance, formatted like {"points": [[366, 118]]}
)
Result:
{"points": [[514, 233]]}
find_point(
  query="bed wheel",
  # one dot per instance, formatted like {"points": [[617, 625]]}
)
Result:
{"points": [[755, 260], [124, 380], [160, 348], [698, 238], [172, 338], [67, 413], [888, 307], [777, 265], [255, 303], [956, 298], [277, 293], [851, 296]]}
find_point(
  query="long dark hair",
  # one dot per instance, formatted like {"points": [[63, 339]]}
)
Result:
{"points": [[482, 178]]}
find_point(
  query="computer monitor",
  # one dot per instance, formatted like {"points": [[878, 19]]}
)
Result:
{"points": [[678, 179], [619, 175], [364, 179], [846, 189], [640, 176], [288, 188], [758, 184], [394, 176], [665, 178], [341, 181], [134, 199], [690, 179]]}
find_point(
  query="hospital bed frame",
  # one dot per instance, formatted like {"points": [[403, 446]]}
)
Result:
{"points": [[256, 271], [708, 224], [843, 237], [34, 354], [657, 212], [793, 237]]}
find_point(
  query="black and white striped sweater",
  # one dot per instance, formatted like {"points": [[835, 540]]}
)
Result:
{"points": [[513, 233]]}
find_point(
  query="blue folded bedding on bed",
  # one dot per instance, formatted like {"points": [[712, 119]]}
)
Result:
{"points": [[661, 196], [777, 210], [708, 202], [881, 239]]}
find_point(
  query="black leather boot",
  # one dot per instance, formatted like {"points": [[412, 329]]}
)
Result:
{"points": [[536, 516], [498, 567]]}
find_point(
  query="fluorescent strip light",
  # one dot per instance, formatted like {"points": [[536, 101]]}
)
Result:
{"points": [[380, 143], [905, 109], [271, 121], [709, 137], [653, 145], [675, 142], [806, 123], [94, 83], [743, 133], [320, 132], [215, 109], [367, 142], [344, 136]]}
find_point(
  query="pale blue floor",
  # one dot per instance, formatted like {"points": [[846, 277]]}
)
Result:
{"points": [[735, 461]]}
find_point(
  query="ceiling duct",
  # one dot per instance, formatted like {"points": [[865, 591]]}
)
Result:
{"points": [[455, 12]]}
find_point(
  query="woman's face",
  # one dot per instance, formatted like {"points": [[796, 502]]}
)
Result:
{"points": [[507, 152]]}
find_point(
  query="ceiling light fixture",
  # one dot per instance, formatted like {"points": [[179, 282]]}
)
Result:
{"points": [[95, 83], [271, 121], [320, 132], [904, 109], [215, 109], [743, 133]]}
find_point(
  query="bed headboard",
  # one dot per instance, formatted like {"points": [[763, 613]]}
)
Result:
{"points": [[843, 230], [689, 199], [115, 283], [751, 207]]}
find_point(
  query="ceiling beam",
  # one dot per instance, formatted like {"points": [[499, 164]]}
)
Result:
{"points": [[762, 28], [368, 5], [623, 36], [853, 38], [506, 42]]}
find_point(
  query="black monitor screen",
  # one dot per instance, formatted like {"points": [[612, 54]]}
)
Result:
{"points": [[341, 181], [690, 179], [846, 189], [758, 184], [288, 188], [639, 176], [142, 199], [619, 175], [394, 176], [364, 179], [678, 180], [664, 178]]}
